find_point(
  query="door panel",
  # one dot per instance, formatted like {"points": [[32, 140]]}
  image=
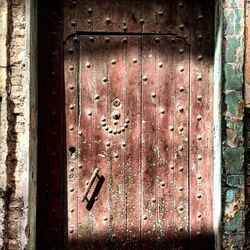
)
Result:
{"points": [[127, 113]]}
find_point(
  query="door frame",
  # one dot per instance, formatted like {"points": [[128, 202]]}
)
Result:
{"points": [[32, 82]]}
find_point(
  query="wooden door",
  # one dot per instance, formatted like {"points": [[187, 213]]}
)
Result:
{"points": [[138, 124]]}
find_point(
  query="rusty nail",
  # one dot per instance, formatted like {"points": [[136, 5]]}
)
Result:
{"points": [[124, 40]]}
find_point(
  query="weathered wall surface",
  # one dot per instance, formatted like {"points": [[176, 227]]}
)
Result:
{"points": [[233, 225], [14, 126]]}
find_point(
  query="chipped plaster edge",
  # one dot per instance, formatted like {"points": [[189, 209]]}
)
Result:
{"points": [[217, 103]]}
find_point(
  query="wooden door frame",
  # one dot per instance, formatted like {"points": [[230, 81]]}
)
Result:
{"points": [[31, 14]]}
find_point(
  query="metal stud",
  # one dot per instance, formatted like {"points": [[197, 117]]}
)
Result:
{"points": [[141, 21], [107, 39], [71, 67], [134, 60], [157, 39], [74, 3], [199, 117], [160, 64], [80, 132], [116, 155], [125, 125], [162, 111], [114, 132], [181, 51], [71, 231], [88, 65], [181, 5], [97, 97], [108, 20], [105, 218], [180, 148], [199, 77], [76, 39], [180, 208], [125, 28], [199, 215], [90, 11], [113, 61], [181, 109], [145, 217], [71, 87], [107, 143], [181, 128], [200, 37], [162, 183], [91, 39], [124, 40], [73, 23], [104, 79], [199, 196], [89, 113], [72, 189], [181, 229], [71, 51], [153, 94], [71, 169], [110, 130], [71, 128], [106, 128], [160, 13], [144, 78], [173, 40], [200, 17], [103, 119], [89, 21], [181, 68], [71, 106], [103, 124], [80, 166], [199, 57], [181, 89], [181, 189], [199, 157], [199, 137], [181, 169], [171, 128], [127, 120], [115, 122], [153, 200], [199, 176], [199, 97], [172, 167], [181, 27]]}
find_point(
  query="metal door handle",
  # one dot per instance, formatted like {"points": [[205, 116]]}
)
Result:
{"points": [[91, 181]]}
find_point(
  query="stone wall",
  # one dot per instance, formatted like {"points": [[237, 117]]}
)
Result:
{"points": [[15, 124], [233, 225]]}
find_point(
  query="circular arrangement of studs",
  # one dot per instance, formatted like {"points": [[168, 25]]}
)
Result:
{"points": [[112, 130]]}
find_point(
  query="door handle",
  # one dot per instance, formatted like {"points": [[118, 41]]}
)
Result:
{"points": [[91, 181]]}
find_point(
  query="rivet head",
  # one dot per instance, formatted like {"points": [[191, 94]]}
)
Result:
{"points": [[157, 39], [199, 97], [153, 200], [74, 3], [181, 229], [91, 39], [124, 144], [141, 21], [172, 167], [90, 11], [199, 196], [181, 189], [181, 89], [116, 115], [124, 40], [113, 61], [181, 5], [89, 113], [114, 132], [199, 77], [181, 169], [71, 106], [72, 210], [108, 20], [199, 117], [71, 87], [71, 128], [134, 60], [76, 39], [107, 143], [71, 51], [180, 148], [88, 21], [71, 67], [160, 64], [125, 28], [80, 166], [115, 122], [103, 119], [181, 27], [160, 13], [181, 109], [181, 68], [199, 57], [162, 111], [105, 218], [199, 176], [103, 124], [199, 137], [153, 94], [71, 231], [171, 128], [181, 51], [173, 40], [125, 125], [113, 236], [199, 157], [96, 198], [162, 183], [144, 78], [107, 39], [88, 65], [80, 132], [181, 128], [127, 120], [200, 37], [180, 208], [104, 79], [97, 97], [71, 189], [110, 130], [106, 128], [199, 215], [200, 17], [145, 217], [116, 155], [73, 23], [71, 169]]}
